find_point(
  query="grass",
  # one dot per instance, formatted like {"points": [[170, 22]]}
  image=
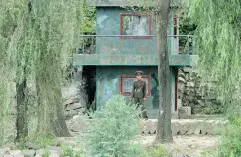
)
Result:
{"points": [[156, 152], [68, 151]]}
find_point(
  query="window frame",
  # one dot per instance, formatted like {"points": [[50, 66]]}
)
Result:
{"points": [[133, 76], [136, 38]]}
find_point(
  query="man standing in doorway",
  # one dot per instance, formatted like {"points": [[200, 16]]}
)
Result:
{"points": [[139, 93]]}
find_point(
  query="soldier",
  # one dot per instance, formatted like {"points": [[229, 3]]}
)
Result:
{"points": [[139, 93]]}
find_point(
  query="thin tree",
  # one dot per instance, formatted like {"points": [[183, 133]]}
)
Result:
{"points": [[161, 9], [164, 132]]}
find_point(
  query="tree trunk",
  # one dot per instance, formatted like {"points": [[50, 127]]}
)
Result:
{"points": [[22, 109], [51, 119], [164, 132]]}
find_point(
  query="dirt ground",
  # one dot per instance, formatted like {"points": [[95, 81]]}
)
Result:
{"points": [[182, 146], [191, 145]]}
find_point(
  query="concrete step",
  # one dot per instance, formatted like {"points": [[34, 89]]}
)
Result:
{"points": [[186, 126], [149, 127]]}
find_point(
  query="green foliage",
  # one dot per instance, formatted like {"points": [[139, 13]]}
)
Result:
{"points": [[156, 152], [88, 24], [231, 143], [68, 151], [42, 140], [185, 28], [218, 45], [6, 71], [219, 109], [37, 43], [113, 130], [46, 153]]}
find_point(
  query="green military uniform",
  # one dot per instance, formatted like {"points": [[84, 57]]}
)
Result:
{"points": [[139, 93]]}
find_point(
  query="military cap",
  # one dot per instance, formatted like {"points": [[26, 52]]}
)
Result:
{"points": [[138, 73]]}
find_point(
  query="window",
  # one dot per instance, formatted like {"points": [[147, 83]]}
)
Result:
{"points": [[126, 84], [135, 25]]}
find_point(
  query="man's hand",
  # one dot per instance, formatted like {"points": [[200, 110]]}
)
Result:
{"points": [[144, 99]]}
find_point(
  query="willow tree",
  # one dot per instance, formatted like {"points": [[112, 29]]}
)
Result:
{"points": [[218, 46], [46, 33], [6, 31]]}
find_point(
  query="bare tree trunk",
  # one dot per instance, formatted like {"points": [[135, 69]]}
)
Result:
{"points": [[164, 132], [22, 109]]}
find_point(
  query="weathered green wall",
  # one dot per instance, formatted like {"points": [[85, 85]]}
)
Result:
{"points": [[108, 23], [107, 85]]}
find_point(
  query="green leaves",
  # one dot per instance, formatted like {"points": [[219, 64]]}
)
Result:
{"points": [[218, 44], [113, 130], [219, 49]]}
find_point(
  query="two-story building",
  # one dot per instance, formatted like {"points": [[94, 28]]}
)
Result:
{"points": [[125, 42]]}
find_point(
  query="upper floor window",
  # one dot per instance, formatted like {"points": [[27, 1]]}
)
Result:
{"points": [[135, 25]]}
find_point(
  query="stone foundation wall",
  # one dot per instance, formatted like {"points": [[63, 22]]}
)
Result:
{"points": [[78, 125], [75, 96], [200, 97]]}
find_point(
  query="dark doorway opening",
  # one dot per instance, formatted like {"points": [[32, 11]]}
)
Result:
{"points": [[89, 75]]}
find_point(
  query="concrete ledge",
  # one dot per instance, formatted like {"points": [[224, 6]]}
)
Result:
{"points": [[186, 126], [131, 60], [108, 3], [148, 127]]}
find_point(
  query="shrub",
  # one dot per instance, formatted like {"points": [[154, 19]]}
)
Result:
{"points": [[113, 129], [231, 139]]}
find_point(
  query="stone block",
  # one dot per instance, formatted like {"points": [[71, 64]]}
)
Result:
{"points": [[71, 113], [30, 145], [181, 87], [179, 102], [184, 112], [181, 74], [207, 128], [183, 130], [56, 152], [175, 128], [54, 155], [152, 126], [8, 155], [16, 153], [79, 123], [192, 129], [71, 101], [4, 151], [141, 126], [40, 152], [190, 84], [181, 79], [74, 106], [29, 153], [187, 69], [201, 103]]}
